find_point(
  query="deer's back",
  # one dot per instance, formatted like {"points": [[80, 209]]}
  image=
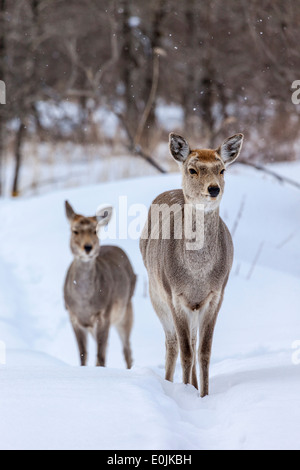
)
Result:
{"points": [[121, 271]]}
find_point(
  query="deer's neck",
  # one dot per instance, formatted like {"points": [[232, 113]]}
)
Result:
{"points": [[206, 236], [84, 272], [211, 227]]}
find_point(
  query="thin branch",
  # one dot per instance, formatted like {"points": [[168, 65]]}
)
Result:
{"points": [[94, 79], [114, 52], [239, 216], [286, 241], [256, 258], [280, 178], [155, 77], [137, 149]]}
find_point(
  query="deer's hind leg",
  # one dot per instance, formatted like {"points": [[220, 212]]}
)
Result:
{"points": [[164, 314], [124, 328]]}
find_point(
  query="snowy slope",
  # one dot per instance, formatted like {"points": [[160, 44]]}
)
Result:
{"points": [[47, 401]]}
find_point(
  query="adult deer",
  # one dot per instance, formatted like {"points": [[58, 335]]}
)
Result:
{"points": [[187, 285], [99, 286]]}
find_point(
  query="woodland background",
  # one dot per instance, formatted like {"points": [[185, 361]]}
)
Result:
{"points": [[91, 80]]}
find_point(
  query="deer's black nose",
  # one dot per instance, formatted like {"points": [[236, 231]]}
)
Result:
{"points": [[214, 191], [88, 249]]}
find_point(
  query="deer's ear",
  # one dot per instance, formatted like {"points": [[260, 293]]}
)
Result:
{"points": [[103, 215], [69, 211], [179, 148], [231, 148]]}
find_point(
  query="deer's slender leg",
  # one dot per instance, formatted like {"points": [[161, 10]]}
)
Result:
{"points": [[183, 330], [194, 334], [163, 311], [172, 350], [124, 329], [207, 326], [102, 331], [81, 338]]}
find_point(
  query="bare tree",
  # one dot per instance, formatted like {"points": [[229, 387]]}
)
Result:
{"points": [[147, 123], [2, 77]]}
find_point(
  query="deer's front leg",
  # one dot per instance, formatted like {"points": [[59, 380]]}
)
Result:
{"points": [[183, 330], [81, 338], [102, 331], [171, 354], [207, 325]]}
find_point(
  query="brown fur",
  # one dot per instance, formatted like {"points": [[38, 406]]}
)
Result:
{"points": [[98, 288], [187, 287]]}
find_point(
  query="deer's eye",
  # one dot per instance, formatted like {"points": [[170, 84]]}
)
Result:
{"points": [[75, 232], [222, 172], [192, 171]]}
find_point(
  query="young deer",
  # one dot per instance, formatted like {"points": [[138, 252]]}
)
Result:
{"points": [[99, 287], [187, 286]]}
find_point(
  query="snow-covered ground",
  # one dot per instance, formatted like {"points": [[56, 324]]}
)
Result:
{"points": [[48, 402]]}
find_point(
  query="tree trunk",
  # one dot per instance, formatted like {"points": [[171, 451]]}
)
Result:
{"points": [[21, 132], [18, 158], [128, 65], [207, 84], [152, 78], [2, 77], [190, 99]]}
